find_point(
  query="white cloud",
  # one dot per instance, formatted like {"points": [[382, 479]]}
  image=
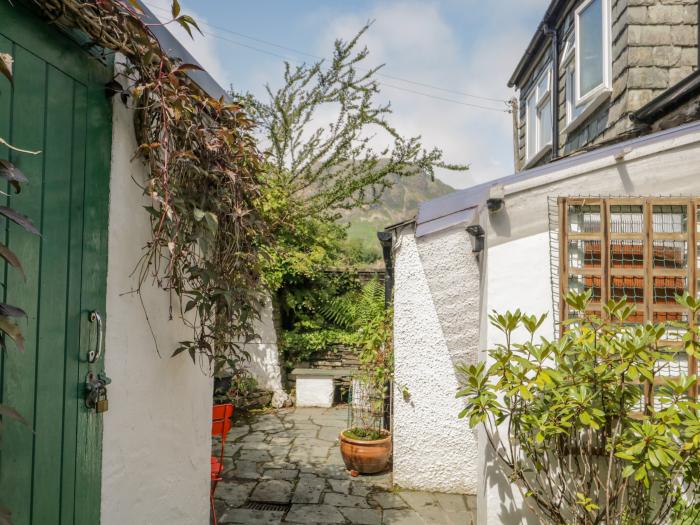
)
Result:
{"points": [[416, 41], [203, 47], [464, 45]]}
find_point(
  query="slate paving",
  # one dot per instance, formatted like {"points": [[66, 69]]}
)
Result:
{"points": [[285, 467]]}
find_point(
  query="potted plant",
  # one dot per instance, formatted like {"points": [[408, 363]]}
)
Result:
{"points": [[366, 444]]}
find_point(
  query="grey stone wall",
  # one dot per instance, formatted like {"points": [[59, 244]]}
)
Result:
{"points": [[654, 46]]}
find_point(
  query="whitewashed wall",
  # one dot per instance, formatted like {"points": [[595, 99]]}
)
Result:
{"points": [[436, 318], [518, 276], [156, 444], [518, 271], [441, 308], [264, 363]]}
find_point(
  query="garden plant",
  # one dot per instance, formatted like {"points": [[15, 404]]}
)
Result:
{"points": [[591, 427], [329, 145], [367, 319]]}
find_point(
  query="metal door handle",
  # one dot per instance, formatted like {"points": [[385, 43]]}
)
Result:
{"points": [[94, 355]]}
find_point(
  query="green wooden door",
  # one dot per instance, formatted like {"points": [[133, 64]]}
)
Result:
{"points": [[50, 473]]}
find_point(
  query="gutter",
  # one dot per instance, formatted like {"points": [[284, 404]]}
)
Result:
{"points": [[551, 31], [669, 100], [601, 158], [547, 20], [386, 239]]}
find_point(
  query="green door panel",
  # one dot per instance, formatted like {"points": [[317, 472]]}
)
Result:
{"points": [[51, 473]]}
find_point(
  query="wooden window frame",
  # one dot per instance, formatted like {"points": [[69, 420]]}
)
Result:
{"points": [[648, 272]]}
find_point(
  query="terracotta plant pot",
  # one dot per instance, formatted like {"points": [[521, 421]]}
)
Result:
{"points": [[366, 457]]}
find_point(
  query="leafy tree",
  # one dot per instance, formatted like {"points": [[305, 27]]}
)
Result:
{"points": [[322, 168], [316, 167], [569, 423]]}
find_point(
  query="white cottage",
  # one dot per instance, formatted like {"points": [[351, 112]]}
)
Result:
{"points": [[147, 458], [626, 154]]}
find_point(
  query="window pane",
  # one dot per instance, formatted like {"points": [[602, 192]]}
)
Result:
{"points": [[670, 254], [584, 218], [546, 123], [627, 254], [630, 287], [568, 46], [531, 126], [676, 367], [591, 47], [670, 218], [674, 332], [581, 283], [626, 218], [584, 254], [572, 109], [666, 289], [543, 85]]}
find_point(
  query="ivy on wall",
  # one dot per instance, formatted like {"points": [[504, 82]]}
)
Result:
{"points": [[203, 182]]}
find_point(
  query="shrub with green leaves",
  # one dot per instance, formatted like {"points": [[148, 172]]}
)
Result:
{"points": [[570, 423]]}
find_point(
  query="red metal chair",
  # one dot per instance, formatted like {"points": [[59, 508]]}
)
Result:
{"points": [[220, 426]]}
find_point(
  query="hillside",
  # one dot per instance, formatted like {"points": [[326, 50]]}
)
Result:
{"points": [[397, 204]]}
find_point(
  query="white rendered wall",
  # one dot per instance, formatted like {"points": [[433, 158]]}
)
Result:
{"points": [[436, 325], [518, 276], [156, 444], [264, 363], [518, 271]]}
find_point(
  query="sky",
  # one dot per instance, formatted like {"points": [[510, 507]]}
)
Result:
{"points": [[447, 49]]}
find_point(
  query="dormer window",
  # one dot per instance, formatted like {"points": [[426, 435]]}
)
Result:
{"points": [[586, 63], [592, 50], [539, 116]]}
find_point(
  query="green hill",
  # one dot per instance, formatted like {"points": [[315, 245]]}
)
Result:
{"points": [[397, 204]]}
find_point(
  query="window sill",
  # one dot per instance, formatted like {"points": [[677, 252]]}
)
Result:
{"points": [[538, 156], [593, 105]]}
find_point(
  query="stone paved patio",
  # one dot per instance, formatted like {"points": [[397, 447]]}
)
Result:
{"points": [[285, 467]]}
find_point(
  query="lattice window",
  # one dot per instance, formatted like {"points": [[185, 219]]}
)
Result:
{"points": [[644, 249]]}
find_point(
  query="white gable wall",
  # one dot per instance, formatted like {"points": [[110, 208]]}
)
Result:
{"points": [[518, 276], [518, 271], [436, 317], [441, 307], [157, 432]]}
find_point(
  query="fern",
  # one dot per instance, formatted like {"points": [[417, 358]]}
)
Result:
{"points": [[356, 309]]}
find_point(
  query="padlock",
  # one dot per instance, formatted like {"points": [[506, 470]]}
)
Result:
{"points": [[96, 389], [102, 401]]}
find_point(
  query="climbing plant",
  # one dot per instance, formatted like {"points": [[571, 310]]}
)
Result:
{"points": [[203, 182], [8, 313]]}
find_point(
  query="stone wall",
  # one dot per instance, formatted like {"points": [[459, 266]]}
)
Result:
{"points": [[338, 356], [654, 46]]}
